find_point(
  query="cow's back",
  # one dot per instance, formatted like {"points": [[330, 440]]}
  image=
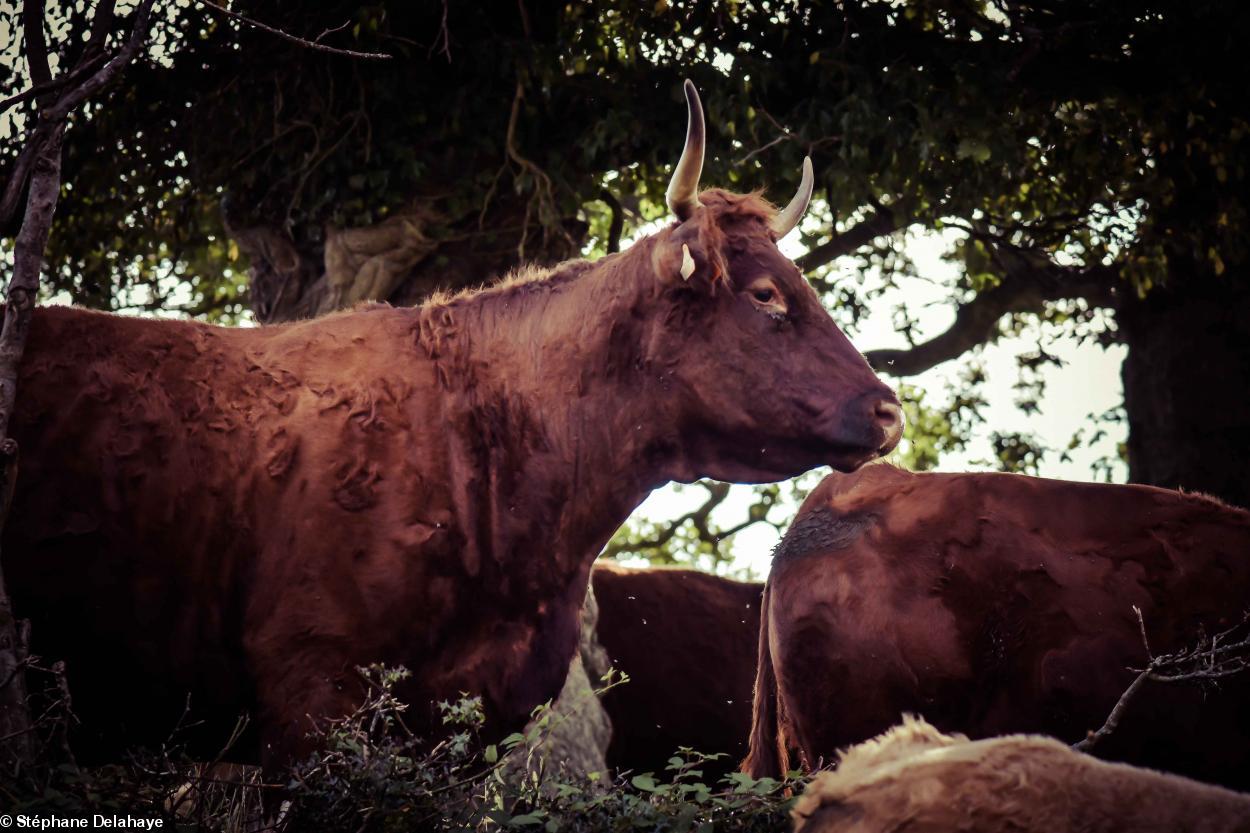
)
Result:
{"points": [[687, 641], [999, 603]]}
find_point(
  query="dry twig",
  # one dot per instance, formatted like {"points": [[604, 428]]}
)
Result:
{"points": [[320, 47], [1210, 660]]}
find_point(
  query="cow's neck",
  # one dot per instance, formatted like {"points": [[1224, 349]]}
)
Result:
{"points": [[559, 431]]}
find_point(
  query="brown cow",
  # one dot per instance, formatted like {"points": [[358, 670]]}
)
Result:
{"points": [[250, 514], [916, 779], [686, 639], [997, 603]]}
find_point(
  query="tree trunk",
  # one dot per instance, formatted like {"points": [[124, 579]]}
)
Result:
{"points": [[1185, 383], [17, 741], [401, 260]]}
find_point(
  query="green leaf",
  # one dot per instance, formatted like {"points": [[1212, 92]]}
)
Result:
{"points": [[644, 782], [525, 819], [492, 754]]}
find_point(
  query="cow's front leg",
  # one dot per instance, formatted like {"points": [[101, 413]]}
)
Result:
{"points": [[296, 704]]}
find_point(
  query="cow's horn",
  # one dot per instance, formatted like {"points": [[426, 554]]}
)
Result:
{"points": [[788, 217], [683, 188]]}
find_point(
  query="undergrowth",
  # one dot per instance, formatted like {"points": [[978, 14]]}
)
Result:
{"points": [[371, 773]]}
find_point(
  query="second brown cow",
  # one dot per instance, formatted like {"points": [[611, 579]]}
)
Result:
{"points": [[993, 604], [686, 639]]}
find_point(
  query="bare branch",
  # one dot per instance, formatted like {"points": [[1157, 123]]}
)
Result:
{"points": [[1141, 626], [73, 77], [325, 34], [443, 42], [525, 19], [1210, 660], [700, 519], [52, 117], [1027, 287], [307, 44], [106, 74], [1113, 720], [544, 195], [782, 138], [717, 492]]}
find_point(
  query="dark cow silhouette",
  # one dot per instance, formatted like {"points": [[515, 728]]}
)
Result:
{"points": [[248, 515], [997, 603], [686, 639]]}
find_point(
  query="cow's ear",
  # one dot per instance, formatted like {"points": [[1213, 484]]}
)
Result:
{"points": [[690, 254]]}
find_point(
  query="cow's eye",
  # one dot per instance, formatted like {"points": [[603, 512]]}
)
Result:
{"points": [[765, 296]]}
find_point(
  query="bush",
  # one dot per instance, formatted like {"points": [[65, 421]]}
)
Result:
{"points": [[373, 775]]}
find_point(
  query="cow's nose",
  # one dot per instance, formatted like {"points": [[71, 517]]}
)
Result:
{"points": [[890, 417]]}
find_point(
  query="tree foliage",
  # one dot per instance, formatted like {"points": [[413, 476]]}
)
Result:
{"points": [[1040, 128]]}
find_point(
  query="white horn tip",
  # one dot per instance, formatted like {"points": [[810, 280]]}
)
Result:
{"points": [[687, 263]]}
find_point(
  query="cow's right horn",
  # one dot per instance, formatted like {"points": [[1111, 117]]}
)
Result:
{"points": [[683, 188], [788, 217]]}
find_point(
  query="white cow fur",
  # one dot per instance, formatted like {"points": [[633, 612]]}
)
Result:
{"points": [[916, 779]]}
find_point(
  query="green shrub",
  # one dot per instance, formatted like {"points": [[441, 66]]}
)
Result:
{"points": [[372, 774]]}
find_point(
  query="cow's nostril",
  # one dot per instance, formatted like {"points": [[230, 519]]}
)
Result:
{"points": [[890, 418], [889, 415]]}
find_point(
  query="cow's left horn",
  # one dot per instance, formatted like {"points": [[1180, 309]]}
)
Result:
{"points": [[683, 188], [788, 217]]}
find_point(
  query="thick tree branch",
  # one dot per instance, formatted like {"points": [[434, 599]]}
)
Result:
{"points": [[109, 72], [101, 25], [618, 220], [884, 221], [36, 46], [77, 74], [1026, 287]]}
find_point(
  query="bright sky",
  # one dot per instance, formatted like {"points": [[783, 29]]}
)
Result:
{"points": [[1089, 382]]}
